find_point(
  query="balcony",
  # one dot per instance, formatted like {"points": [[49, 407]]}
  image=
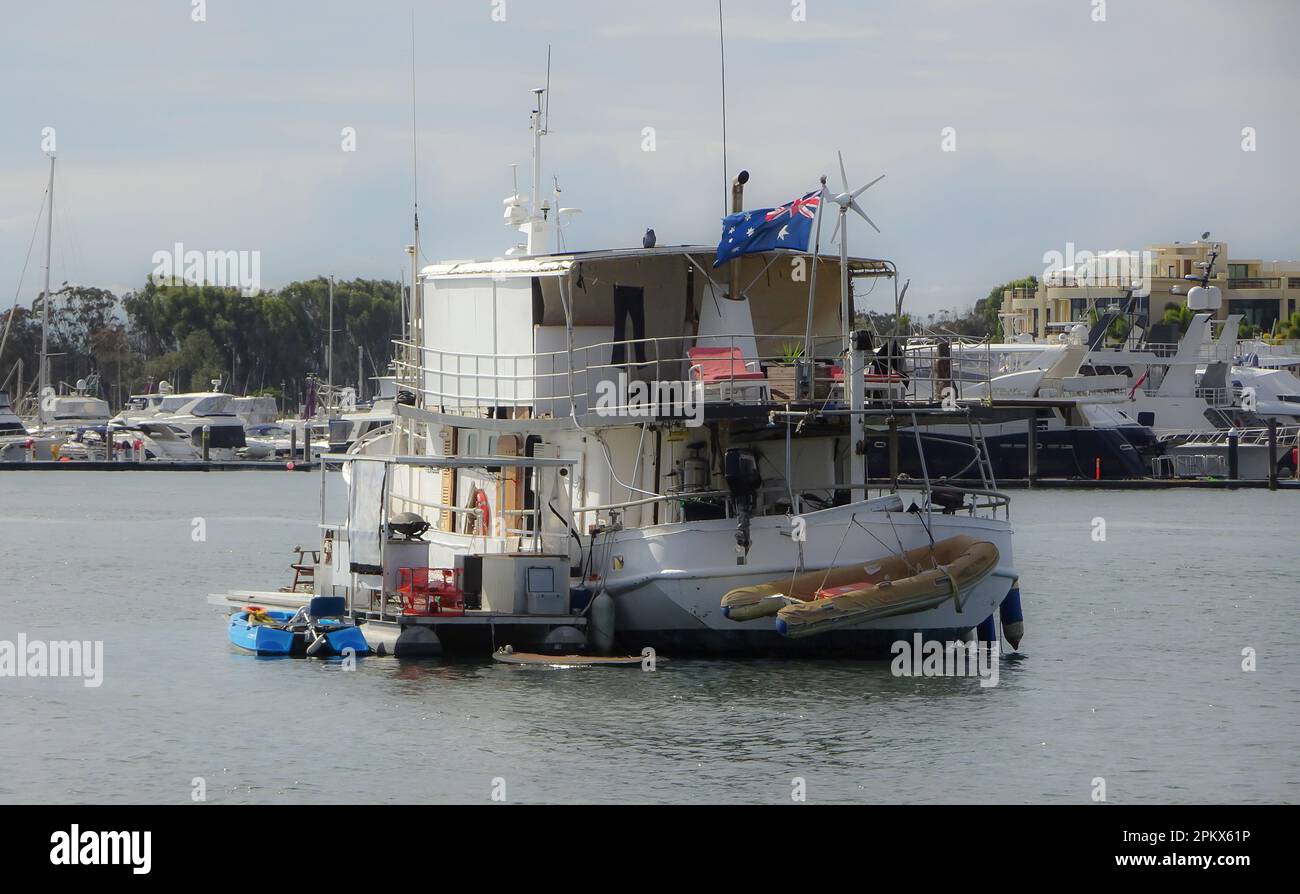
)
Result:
{"points": [[1255, 282]]}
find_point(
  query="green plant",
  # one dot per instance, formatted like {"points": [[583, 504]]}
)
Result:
{"points": [[1290, 328], [791, 351], [1179, 315]]}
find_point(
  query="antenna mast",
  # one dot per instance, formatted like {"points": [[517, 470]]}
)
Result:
{"points": [[722, 52], [415, 151], [44, 374], [537, 220], [416, 315]]}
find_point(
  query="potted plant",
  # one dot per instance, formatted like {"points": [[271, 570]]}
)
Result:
{"points": [[792, 367]]}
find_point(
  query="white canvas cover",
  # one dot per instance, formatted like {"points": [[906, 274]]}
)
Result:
{"points": [[365, 508]]}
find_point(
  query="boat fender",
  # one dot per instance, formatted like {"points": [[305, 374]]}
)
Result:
{"points": [[1013, 616], [987, 632], [602, 615]]}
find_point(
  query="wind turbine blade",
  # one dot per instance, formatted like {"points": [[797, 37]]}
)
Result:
{"points": [[843, 176], [868, 186], [858, 208], [835, 232]]}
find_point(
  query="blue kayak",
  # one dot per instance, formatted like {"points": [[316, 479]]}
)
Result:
{"points": [[320, 630]]}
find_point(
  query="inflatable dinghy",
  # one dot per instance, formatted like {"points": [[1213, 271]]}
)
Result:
{"points": [[917, 580]]}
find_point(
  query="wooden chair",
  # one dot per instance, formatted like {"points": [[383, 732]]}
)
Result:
{"points": [[304, 572]]}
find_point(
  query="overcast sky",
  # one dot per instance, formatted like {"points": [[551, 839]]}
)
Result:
{"points": [[226, 134]]}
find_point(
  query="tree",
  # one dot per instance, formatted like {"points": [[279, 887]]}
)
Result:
{"points": [[1179, 315], [989, 308], [1290, 328], [23, 342], [267, 339], [193, 366]]}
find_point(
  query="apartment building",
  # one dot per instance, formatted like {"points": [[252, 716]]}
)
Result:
{"points": [[1264, 292]]}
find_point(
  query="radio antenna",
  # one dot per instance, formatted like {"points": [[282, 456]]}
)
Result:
{"points": [[415, 151], [722, 53], [546, 120]]}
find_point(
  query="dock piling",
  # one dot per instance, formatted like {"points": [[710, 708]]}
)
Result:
{"points": [[1272, 453]]}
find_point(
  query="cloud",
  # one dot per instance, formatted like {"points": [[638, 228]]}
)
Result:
{"points": [[226, 135]]}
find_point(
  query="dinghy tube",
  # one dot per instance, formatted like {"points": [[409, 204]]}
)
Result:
{"points": [[914, 581]]}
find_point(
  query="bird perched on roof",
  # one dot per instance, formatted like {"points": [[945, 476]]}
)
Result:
{"points": [[648, 240]]}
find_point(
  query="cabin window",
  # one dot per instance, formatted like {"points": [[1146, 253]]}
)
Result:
{"points": [[1147, 419]]}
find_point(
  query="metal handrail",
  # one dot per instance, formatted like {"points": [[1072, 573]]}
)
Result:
{"points": [[494, 379]]}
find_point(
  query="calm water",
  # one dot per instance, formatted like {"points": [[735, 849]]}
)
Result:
{"points": [[1130, 670]]}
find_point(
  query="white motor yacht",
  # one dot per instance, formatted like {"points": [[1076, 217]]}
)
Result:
{"points": [[193, 413], [528, 452]]}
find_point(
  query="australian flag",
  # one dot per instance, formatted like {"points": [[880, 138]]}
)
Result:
{"points": [[789, 226]]}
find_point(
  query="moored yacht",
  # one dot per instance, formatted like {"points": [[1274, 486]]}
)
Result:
{"points": [[601, 444], [207, 414], [17, 444]]}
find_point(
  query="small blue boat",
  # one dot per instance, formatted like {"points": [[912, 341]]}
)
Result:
{"points": [[319, 630]]}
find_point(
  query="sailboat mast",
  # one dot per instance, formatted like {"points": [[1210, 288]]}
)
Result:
{"points": [[329, 351], [43, 374]]}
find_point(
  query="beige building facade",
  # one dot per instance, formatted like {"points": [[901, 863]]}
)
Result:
{"points": [[1264, 292]]}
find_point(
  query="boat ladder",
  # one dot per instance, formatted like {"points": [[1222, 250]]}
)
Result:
{"points": [[982, 458]]}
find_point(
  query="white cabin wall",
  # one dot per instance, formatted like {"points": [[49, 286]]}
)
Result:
{"points": [[551, 389], [597, 483], [473, 330]]}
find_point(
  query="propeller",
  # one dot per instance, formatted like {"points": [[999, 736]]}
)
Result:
{"points": [[849, 200]]}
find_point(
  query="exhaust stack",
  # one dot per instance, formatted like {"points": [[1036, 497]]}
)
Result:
{"points": [[737, 205]]}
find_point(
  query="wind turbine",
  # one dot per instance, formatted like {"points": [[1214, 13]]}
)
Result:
{"points": [[853, 373], [848, 200]]}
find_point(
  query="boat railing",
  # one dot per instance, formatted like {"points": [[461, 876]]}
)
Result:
{"points": [[993, 500], [1287, 436], [623, 378], [1216, 397]]}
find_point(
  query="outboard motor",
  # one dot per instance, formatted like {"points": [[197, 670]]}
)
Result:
{"points": [[948, 499], [740, 468]]}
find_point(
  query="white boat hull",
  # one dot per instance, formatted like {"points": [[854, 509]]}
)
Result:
{"points": [[669, 592]]}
